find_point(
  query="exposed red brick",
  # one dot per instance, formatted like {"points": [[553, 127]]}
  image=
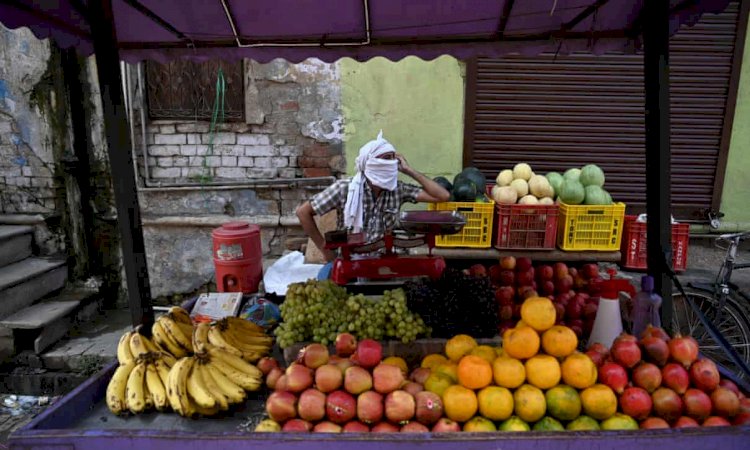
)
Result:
{"points": [[316, 172], [305, 161], [317, 151], [290, 106]]}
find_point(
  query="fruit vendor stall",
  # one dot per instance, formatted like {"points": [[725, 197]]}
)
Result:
{"points": [[423, 364]]}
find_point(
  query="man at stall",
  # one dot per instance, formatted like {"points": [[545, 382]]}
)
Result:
{"points": [[370, 201]]}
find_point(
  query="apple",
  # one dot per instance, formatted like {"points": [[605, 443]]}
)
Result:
{"points": [[574, 309], [564, 284], [525, 278], [505, 312], [523, 264], [560, 270], [507, 277], [590, 271], [494, 273], [545, 272], [548, 287], [579, 282], [478, 271], [529, 293], [508, 262], [572, 271], [505, 295], [517, 311], [559, 312]]}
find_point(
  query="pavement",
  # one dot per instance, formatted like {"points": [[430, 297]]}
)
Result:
{"points": [[96, 344]]}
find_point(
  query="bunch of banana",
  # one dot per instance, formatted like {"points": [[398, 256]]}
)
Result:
{"points": [[173, 332], [210, 381], [238, 337], [139, 384]]}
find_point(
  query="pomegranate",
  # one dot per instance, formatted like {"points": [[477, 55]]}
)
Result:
{"points": [[412, 387], [729, 385], [599, 348], [341, 407], [266, 363], [420, 374], [273, 377], [652, 331], [327, 427], [625, 351], [744, 405], [741, 419], [314, 355], [399, 406], [675, 377], [429, 407], [297, 426], [667, 404], [345, 344], [370, 407], [311, 405], [385, 427], [596, 357], [647, 376], [445, 425], [697, 404], [625, 337], [715, 421], [636, 403], [613, 375], [705, 375], [685, 422], [298, 377], [414, 427], [653, 423], [328, 378], [369, 353], [356, 427], [683, 349], [282, 384], [726, 403], [357, 380], [387, 378], [656, 349], [281, 406]]}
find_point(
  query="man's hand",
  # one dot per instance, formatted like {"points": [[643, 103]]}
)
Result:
{"points": [[403, 165]]}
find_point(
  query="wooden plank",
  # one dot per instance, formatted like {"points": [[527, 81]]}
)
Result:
{"points": [[39, 315]]}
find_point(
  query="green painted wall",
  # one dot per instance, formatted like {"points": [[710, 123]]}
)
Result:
{"points": [[736, 194], [418, 104]]}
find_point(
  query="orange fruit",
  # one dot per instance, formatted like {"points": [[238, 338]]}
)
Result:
{"points": [[458, 346], [479, 424], [599, 402], [485, 352], [495, 403], [474, 372], [459, 404], [579, 371], [438, 383], [398, 362], [450, 369], [539, 313], [521, 343], [542, 371], [563, 402], [432, 360], [529, 403], [508, 372], [559, 341]]}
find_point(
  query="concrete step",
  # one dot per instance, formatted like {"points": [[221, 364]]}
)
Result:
{"points": [[15, 243], [23, 283]]}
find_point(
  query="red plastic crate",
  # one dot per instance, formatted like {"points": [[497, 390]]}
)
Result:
{"points": [[526, 227], [634, 245]]}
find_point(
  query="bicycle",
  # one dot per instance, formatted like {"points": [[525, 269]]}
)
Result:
{"points": [[722, 304]]}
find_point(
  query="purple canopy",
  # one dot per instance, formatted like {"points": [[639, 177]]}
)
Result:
{"points": [[360, 29]]}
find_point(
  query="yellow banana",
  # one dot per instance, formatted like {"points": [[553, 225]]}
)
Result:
{"points": [[156, 387], [124, 355], [163, 369], [177, 334], [236, 362], [216, 339], [246, 326], [196, 410], [180, 315], [252, 343], [165, 340], [204, 377], [247, 352], [138, 345], [168, 359], [177, 386], [147, 398], [134, 389], [233, 392], [115, 397], [187, 330], [197, 389], [248, 380], [200, 337]]}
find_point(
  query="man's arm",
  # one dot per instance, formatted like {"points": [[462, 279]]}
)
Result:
{"points": [[306, 217], [431, 191]]}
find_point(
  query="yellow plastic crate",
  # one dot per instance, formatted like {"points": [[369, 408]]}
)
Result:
{"points": [[477, 233], [590, 227]]}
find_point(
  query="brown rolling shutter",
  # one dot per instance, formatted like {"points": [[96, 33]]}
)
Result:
{"points": [[566, 111]]}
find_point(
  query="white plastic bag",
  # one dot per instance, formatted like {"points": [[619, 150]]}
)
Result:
{"points": [[288, 269]]}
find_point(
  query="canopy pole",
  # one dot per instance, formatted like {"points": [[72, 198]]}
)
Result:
{"points": [[104, 38], [658, 154]]}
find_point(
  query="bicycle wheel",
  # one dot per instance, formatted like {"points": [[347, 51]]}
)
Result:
{"points": [[732, 323]]}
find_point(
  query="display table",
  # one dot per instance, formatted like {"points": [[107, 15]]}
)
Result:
{"points": [[535, 255]]}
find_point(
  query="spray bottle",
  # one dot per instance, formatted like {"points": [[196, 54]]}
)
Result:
{"points": [[608, 322], [646, 306]]}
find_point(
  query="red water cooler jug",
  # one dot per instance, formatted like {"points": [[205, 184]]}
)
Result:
{"points": [[237, 257]]}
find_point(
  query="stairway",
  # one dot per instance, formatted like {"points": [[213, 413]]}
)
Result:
{"points": [[35, 308]]}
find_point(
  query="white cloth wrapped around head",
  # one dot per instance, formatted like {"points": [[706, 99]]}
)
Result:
{"points": [[383, 173]]}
